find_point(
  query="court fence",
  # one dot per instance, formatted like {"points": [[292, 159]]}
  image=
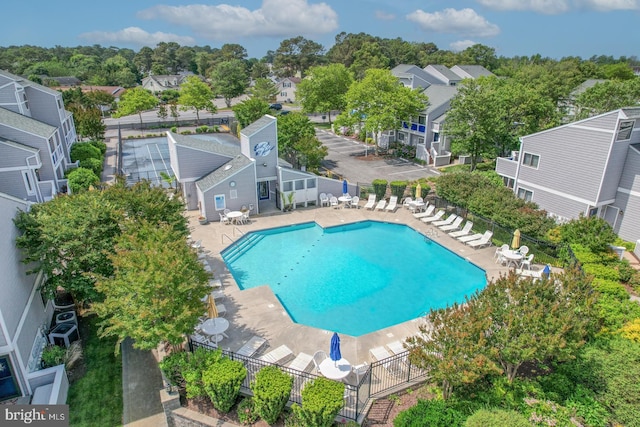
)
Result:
{"points": [[382, 377]]}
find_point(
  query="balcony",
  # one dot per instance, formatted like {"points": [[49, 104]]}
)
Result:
{"points": [[47, 189], [507, 166], [415, 127]]}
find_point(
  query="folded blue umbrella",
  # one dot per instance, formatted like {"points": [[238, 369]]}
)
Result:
{"points": [[546, 272], [345, 187], [334, 353]]}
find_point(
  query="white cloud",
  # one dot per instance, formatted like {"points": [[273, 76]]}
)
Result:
{"points": [[463, 22], [548, 7], [554, 7], [384, 16], [136, 36], [461, 45], [274, 18]]}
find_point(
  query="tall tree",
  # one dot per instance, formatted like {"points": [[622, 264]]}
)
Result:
{"points": [[154, 294], [135, 101], [380, 102], [607, 96], [369, 56], [230, 79], [144, 59], [294, 56], [260, 70], [309, 153], [250, 110], [292, 128], [265, 89], [196, 94], [324, 89], [231, 51]]}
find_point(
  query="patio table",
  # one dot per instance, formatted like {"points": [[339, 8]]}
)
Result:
{"points": [[335, 370], [513, 257], [234, 216]]}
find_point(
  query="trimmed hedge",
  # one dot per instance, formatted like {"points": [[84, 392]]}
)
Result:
{"points": [[271, 391], [322, 400], [222, 383]]}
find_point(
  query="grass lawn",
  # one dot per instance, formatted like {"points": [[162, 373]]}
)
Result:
{"points": [[95, 398]]}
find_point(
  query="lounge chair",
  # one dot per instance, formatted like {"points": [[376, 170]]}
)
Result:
{"points": [[277, 355], [318, 357], [301, 362], [252, 346], [393, 204], [427, 213], [381, 204], [371, 202], [447, 221], [485, 240], [466, 230], [437, 217], [469, 237], [392, 366], [455, 225]]}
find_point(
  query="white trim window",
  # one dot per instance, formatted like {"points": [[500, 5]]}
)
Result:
{"points": [[530, 160], [29, 185], [526, 195], [624, 130], [219, 202]]}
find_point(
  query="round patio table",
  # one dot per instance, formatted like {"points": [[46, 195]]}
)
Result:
{"points": [[335, 370], [234, 216], [214, 327]]}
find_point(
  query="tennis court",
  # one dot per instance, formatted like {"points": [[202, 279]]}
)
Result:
{"points": [[146, 158]]}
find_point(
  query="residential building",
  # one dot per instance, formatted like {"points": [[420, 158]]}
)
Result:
{"points": [[36, 134], [425, 132], [287, 89], [589, 167], [160, 83], [225, 173]]}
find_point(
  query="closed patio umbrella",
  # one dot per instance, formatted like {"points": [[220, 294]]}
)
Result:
{"points": [[345, 187], [515, 243], [418, 190], [212, 310], [334, 352]]}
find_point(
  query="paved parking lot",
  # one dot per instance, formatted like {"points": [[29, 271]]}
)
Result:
{"points": [[347, 158]]}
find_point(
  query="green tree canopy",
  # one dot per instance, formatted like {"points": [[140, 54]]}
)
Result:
{"points": [[324, 89], [292, 128], [250, 110], [265, 90], [607, 96], [296, 55], [230, 79], [135, 101], [196, 94], [154, 294]]}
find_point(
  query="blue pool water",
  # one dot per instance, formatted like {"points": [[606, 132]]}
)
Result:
{"points": [[354, 278]]}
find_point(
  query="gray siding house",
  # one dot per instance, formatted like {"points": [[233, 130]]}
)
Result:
{"points": [[589, 167], [231, 174], [425, 131]]}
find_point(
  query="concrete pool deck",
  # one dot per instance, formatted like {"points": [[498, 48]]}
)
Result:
{"points": [[258, 312]]}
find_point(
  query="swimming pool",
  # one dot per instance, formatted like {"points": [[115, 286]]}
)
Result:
{"points": [[354, 278]]}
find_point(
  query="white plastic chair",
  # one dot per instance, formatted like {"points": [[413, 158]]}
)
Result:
{"points": [[333, 201], [524, 250], [318, 357], [354, 202], [224, 219], [324, 200], [526, 262], [498, 254], [406, 202]]}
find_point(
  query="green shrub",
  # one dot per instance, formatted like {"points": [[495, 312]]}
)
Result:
{"points": [[586, 407], [222, 383], [246, 412], [81, 179], [601, 271], [544, 413], [611, 287], [53, 355], [380, 188], [322, 399], [83, 151], [94, 165], [586, 256], [429, 413], [625, 271], [496, 418], [592, 232], [174, 129], [100, 145], [398, 188], [173, 365], [271, 391], [613, 313], [198, 361]]}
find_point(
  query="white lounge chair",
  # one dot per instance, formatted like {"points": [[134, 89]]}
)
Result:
{"points": [[318, 357], [371, 202], [455, 225], [252, 346], [469, 237], [438, 216], [392, 366], [485, 240], [466, 230], [381, 204], [447, 221], [393, 204], [427, 213], [301, 362], [277, 355]]}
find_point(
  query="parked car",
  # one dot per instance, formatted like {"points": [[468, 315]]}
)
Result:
{"points": [[276, 107]]}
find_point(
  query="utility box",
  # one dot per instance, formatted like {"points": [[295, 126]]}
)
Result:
{"points": [[67, 317], [64, 334]]}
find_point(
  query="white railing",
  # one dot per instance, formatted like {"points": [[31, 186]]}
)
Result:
{"points": [[239, 231], [227, 236]]}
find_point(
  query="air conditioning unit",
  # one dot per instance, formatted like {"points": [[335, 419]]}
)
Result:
{"points": [[636, 251]]}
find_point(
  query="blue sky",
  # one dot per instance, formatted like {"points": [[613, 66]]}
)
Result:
{"points": [[551, 28]]}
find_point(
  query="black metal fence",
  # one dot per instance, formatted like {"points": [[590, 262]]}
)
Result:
{"points": [[394, 373]]}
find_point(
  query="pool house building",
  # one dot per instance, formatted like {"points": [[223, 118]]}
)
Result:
{"points": [[222, 174]]}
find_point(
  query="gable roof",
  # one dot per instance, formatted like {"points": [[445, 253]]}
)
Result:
{"points": [[471, 71], [408, 70], [587, 84], [258, 125], [28, 83], [25, 123], [446, 72], [229, 169], [438, 95], [216, 147]]}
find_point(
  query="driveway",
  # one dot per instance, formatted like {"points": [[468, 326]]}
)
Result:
{"points": [[347, 158]]}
